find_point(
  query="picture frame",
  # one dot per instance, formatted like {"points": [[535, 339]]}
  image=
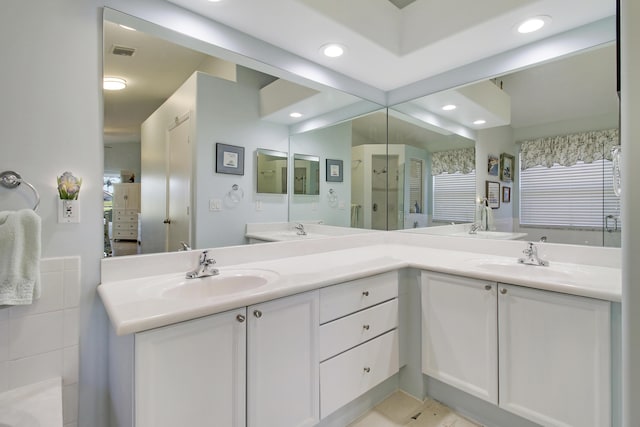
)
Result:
{"points": [[506, 194], [493, 165], [493, 194], [334, 171], [229, 159], [506, 167]]}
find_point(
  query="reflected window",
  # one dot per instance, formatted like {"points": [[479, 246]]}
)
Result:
{"points": [[569, 196], [454, 196], [416, 186]]}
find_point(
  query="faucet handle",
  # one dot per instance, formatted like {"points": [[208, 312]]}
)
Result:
{"points": [[203, 256]]}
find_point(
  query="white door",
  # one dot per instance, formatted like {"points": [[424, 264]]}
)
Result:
{"points": [[459, 333], [179, 185], [283, 363], [192, 373], [554, 357]]}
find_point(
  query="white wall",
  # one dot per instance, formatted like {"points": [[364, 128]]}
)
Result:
{"points": [[228, 112], [329, 143], [120, 156], [496, 141], [153, 182]]}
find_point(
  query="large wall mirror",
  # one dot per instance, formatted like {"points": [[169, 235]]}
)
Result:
{"points": [[561, 118], [161, 136]]}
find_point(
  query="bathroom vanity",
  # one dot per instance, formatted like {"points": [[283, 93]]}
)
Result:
{"points": [[320, 331]]}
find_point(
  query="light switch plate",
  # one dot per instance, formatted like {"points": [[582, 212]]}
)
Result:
{"points": [[215, 205], [258, 205]]}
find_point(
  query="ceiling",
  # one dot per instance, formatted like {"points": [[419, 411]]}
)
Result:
{"points": [[389, 47], [539, 95]]}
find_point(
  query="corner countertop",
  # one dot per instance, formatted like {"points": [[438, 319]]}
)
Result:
{"points": [[137, 304]]}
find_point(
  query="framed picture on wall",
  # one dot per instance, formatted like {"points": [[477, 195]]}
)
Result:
{"points": [[334, 170], [506, 194], [493, 194], [229, 159], [492, 165], [506, 167]]}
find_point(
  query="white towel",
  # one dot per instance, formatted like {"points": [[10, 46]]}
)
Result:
{"points": [[19, 257], [489, 218]]}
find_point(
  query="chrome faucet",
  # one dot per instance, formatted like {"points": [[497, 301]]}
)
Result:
{"points": [[184, 247], [205, 267], [474, 228], [531, 256], [301, 231]]}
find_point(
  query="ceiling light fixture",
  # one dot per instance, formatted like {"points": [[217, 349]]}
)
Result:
{"points": [[533, 24], [479, 122], [114, 83], [295, 115], [332, 50], [449, 107], [127, 28]]}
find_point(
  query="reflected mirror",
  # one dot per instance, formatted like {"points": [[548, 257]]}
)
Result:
{"points": [[564, 107], [306, 175], [163, 128], [271, 172]]}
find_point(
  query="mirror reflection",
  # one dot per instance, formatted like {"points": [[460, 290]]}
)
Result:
{"points": [[554, 126], [306, 175], [271, 171]]}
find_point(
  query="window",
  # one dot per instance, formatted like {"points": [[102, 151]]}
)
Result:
{"points": [[454, 197], [576, 196], [416, 186]]}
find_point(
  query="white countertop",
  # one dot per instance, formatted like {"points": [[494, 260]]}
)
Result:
{"points": [[137, 304]]}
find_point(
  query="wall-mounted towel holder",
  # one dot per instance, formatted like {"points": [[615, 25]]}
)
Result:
{"points": [[10, 179]]}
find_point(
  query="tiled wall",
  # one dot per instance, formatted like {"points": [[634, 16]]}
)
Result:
{"points": [[40, 341]]}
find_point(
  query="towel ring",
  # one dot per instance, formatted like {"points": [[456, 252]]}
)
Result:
{"points": [[10, 179]]}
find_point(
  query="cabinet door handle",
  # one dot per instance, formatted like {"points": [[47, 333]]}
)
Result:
{"points": [[240, 318], [367, 369], [503, 291], [365, 327], [365, 293], [488, 287], [257, 313]]}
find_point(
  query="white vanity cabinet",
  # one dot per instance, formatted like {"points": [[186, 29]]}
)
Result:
{"points": [[542, 355], [282, 362], [358, 338], [192, 373], [261, 361]]}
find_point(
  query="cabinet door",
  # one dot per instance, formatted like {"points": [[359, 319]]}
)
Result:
{"points": [[282, 362], [192, 373], [459, 333], [554, 357]]}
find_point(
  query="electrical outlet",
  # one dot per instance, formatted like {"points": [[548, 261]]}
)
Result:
{"points": [[341, 204], [215, 205], [258, 205], [68, 212]]}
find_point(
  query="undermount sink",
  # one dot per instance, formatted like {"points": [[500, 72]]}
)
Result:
{"points": [[228, 282]]}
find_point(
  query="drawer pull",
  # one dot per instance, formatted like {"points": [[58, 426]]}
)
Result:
{"points": [[365, 293], [367, 370], [257, 313], [488, 287], [365, 327], [240, 318]]}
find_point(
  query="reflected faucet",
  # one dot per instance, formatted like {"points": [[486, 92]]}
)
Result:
{"points": [[184, 247], [204, 269], [531, 256], [474, 228], [301, 231]]}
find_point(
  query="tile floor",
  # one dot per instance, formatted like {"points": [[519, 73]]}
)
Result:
{"points": [[401, 409]]}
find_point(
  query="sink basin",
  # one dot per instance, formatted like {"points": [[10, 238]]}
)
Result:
{"points": [[228, 282], [556, 270], [501, 235]]}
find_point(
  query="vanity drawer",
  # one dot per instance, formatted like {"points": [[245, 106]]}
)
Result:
{"points": [[343, 299], [350, 331], [356, 371]]}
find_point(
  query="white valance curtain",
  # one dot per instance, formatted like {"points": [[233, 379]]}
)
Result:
{"points": [[567, 150], [462, 160]]}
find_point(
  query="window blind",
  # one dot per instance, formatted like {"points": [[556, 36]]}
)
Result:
{"points": [[578, 196], [454, 197]]}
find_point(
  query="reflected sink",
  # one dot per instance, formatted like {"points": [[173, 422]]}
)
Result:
{"points": [[228, 282], [501, 235]]}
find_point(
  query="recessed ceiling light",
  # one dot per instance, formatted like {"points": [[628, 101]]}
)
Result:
{"points": [[479, 122], [295, 115], [332, 50], [215, 1], [449, 107], [114, 83], [533, 24], [127, 28]]}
